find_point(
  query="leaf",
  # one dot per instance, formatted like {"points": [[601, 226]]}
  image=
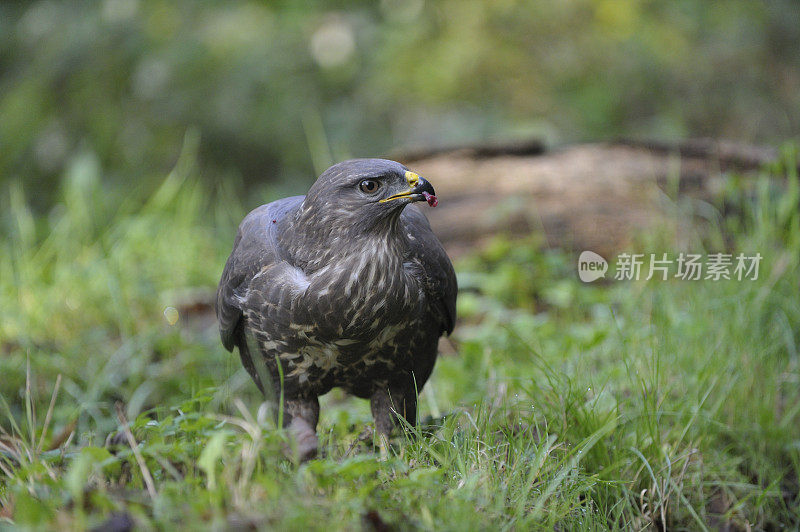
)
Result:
{"points": [[210, 455], [78, 474]]}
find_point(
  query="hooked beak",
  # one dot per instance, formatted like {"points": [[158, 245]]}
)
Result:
{"points": [[418, 187]]}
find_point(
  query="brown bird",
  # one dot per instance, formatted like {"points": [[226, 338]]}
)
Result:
{"points": [[346, 287]]}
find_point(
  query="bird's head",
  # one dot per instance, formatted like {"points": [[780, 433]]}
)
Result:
{"points": [[367, 191], [352, 204]]}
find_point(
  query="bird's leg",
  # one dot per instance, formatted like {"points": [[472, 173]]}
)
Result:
{"points": [[300, 416], [386, 405], [381, 407]]}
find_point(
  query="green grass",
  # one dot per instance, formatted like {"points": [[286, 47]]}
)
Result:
{"points": [[617, 405]]}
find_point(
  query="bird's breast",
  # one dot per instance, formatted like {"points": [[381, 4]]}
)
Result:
{"points": [[362, 294], [356, 316]]}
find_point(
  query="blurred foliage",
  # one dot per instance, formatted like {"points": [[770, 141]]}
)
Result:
{"points": [[97, 280], [519, 272], [278, 90]]}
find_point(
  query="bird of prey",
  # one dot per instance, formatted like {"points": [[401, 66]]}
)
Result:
{"points": [[345, 287]]}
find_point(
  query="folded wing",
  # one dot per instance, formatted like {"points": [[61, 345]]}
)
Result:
{"points": [[440, 278], [255, 247]]}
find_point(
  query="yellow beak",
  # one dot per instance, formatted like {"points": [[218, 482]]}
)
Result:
{"points": [[414, 181]]}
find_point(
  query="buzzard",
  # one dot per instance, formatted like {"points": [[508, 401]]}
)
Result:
{"points": [[345, 287]]}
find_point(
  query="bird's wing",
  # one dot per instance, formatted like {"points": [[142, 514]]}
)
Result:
{"points": [[255, 247], [440, 278]]}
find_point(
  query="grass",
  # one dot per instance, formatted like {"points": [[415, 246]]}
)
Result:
{"points": [[616, 405]]}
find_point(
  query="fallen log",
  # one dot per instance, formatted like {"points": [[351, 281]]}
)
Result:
{"points": [[586, 196]]}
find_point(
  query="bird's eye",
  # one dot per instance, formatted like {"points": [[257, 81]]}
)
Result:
{"points": [[369, 186]]}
